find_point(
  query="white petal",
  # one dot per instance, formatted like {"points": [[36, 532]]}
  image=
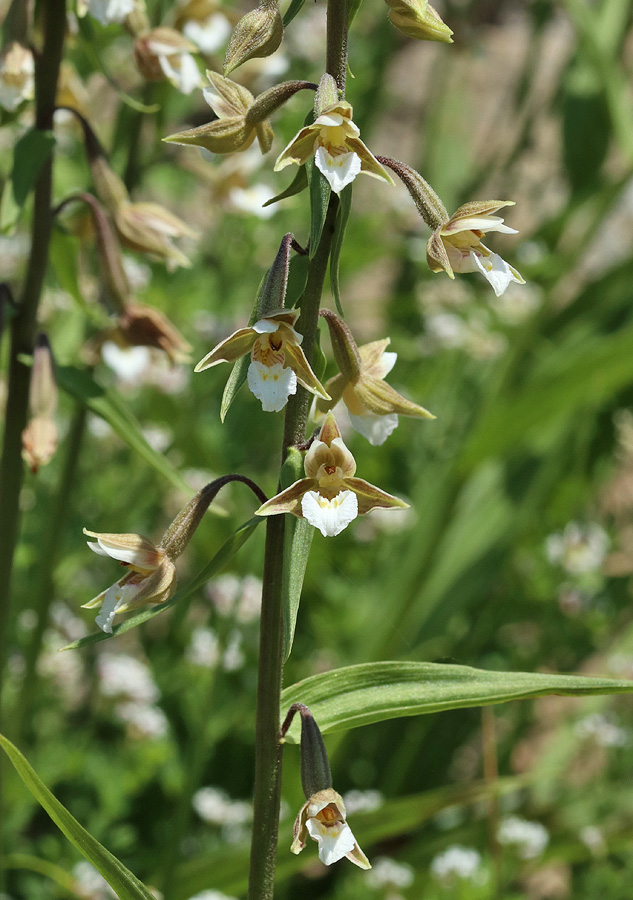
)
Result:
{"points": [[339, 170], [462, 261], [184, 75], [329, 516], [481, 223], [97, 549], [265, 326], [329, 120], [497, 271], [335, 841], [114, 598], [209, 35], [375, 428], [134, 557], [384, 365], [271, 384]]}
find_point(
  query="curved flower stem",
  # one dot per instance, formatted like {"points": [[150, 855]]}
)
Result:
{"points": [[268, 749]]}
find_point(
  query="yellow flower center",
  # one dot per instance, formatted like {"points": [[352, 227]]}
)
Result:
{"points": [[268, 349]]}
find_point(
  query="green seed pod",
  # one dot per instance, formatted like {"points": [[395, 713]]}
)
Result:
{"points": [[256, 35]]}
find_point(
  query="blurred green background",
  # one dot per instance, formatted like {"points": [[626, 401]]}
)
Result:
{"points": [[517, 550]]}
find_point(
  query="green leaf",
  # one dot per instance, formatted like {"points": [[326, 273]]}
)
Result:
{"points": [[319, 201], [297, 543], [370, 692], [354, 6], [126, 885], [224, 555], [342, 218], [63, 879], [291, 12], [107, 404], [299, 183], [240, 367], [29, 155], [297, 277]]}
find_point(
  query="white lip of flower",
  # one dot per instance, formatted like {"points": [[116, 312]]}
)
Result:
{"points": [[16, 76], [179, 68], [323, 818], [278, 363], [329, 498], [456, 245], [151, 576], [333, 139]]}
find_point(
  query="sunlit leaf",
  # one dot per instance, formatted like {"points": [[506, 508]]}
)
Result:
{"points": [[29, 155], [370, 692]]}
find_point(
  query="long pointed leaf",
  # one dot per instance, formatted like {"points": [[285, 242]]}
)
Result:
{"points": [[370, 692], [120, 879], [297, 543], [342, 217]]}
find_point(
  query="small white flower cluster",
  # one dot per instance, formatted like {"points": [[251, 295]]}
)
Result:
{"points": [[449, 331], [578, 549], [91, 882], [386, 872], [215, 807], [204, 650], [130, 681], [135, 366], [458, 863], [362, 801], [528, 838], [210, 34], [604, 732], [237, 597], [211, 895]]}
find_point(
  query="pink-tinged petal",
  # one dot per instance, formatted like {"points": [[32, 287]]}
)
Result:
{"points": [[375, 428], [497, 271], [357, 857], [335, 841], [463, 260], [329, 516], [369, 163], [288, 501], [299, 150], [343, 457], [329, 430], [155, 588], [296, 359], [272, 385], [231, 348], [370, 497], [339, 170], [133, 549]]}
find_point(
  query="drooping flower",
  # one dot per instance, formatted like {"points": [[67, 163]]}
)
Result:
{"points": [[151, 575], [150, 228], [418, 19], [323, 818], [333, 139], [277, 361], [330, 497], [455, 246], [39, 438], [17, 82], [164, 53], [373, 405]]}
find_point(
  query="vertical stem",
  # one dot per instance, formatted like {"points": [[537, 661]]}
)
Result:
{"points": [[45, 586], [268, 749], [24, 324], [491, 775]]}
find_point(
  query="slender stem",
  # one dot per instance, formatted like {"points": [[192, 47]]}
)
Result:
{"points": [[491, 776], [24, 324], [49, 554], [268, 748]]}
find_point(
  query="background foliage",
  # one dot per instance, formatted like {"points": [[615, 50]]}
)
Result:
{"points": [[516, 552]]}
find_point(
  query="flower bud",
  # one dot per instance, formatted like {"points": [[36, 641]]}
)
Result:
{"points": [[344, 346], [315, 766], [140, 325], [418, 19], [113, 277], [273, 294], [256, 35], [39, 438], [164, 54], [427, 201], [17, 72]]}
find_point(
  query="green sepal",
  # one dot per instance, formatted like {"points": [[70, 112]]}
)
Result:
{"points": [[340, 225], [315, 766]]}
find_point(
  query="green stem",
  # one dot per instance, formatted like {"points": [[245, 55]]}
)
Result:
{"points": [[337, 24], [49, 554], [24, 324]]}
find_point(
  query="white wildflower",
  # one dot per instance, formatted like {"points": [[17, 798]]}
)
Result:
{"points": [[387, 872], [457, 863], [528, 838], [203, 649], [123, 675], [578, 549]]}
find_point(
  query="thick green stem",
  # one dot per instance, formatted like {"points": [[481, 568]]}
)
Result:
{"points": [[48, 557], [337, 23]]}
